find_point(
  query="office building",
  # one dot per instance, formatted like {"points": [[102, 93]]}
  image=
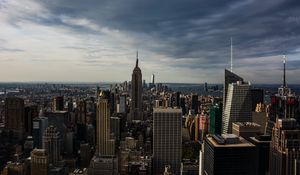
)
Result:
{"points": [[39, 162], [284, 104], [59, 119], [103, 165], [16, 168], [285, 147], [136, 110], [238, 105], [52, 144], [104, 162], [14, 113], [85, 154], [203, 125], [81, 117], [260, 116], [195, 103], [257, 97], [105, 144], [38, 127], [262, 144], [31, 112], [58, 103], [205, 87], [167, 139], [153, 79], [115, 126], [122, 104], [228, 154], [182, 105], [246, 129], [215, 119], [230, 77]]}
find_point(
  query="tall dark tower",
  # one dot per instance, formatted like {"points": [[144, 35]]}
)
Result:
{"points": [[14, 113], [136, 112], [284, 104]]}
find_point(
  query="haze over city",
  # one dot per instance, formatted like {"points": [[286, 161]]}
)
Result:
{"points": [[179, 41]]}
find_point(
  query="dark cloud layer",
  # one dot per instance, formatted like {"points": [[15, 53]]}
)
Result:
{"points": [[189, 34], [196, 29]]}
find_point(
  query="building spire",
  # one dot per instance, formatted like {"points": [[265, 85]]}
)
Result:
{"points": [[137, 59], [230, 54], [284, 80]]}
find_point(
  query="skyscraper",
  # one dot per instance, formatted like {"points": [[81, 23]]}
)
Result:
{"points": [[152, 79], [82, 112], [105, 145], [58, 103], [229, 154], [14, 113], [215, 119], [30, 112], [246, 129], [262, 144], [238, 105], [203, 125], [167, 139], [104, 161], [39, 126], [195, 103], [136, 93], [230, 77], [257, 97], [122, 104], [52, 144], [285, 147], [284, 104], [39, 162]]}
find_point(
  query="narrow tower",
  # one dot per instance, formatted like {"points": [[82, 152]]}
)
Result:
{"points": [[136, 111]]}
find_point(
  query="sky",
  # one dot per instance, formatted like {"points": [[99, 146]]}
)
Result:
{"points": [[182, 41]]}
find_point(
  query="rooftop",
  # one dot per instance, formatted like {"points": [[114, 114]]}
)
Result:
{"points": [[222, 141], [247, 124]]}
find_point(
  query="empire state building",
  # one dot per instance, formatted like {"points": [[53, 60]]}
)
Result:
{"points": [[136, 111]]}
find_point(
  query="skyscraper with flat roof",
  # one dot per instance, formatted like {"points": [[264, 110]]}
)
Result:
{"points": [[195, 103], [215, 119], [58, 103], [257, 97], [228, 154], [15, 116], [262, 143], [39, 126], [167, 139]]}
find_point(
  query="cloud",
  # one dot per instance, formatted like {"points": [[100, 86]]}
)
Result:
{"points": [[3, 49], [177, 39]]}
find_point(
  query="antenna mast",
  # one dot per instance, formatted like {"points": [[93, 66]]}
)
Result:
{"points": [[284, 80], [231, 54]]}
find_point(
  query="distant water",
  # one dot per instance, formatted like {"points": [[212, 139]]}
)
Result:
{"points": [[270, 89], [196, 88]]}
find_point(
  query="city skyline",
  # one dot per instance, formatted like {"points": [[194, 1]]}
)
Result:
{"points": [[96, 41]]}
